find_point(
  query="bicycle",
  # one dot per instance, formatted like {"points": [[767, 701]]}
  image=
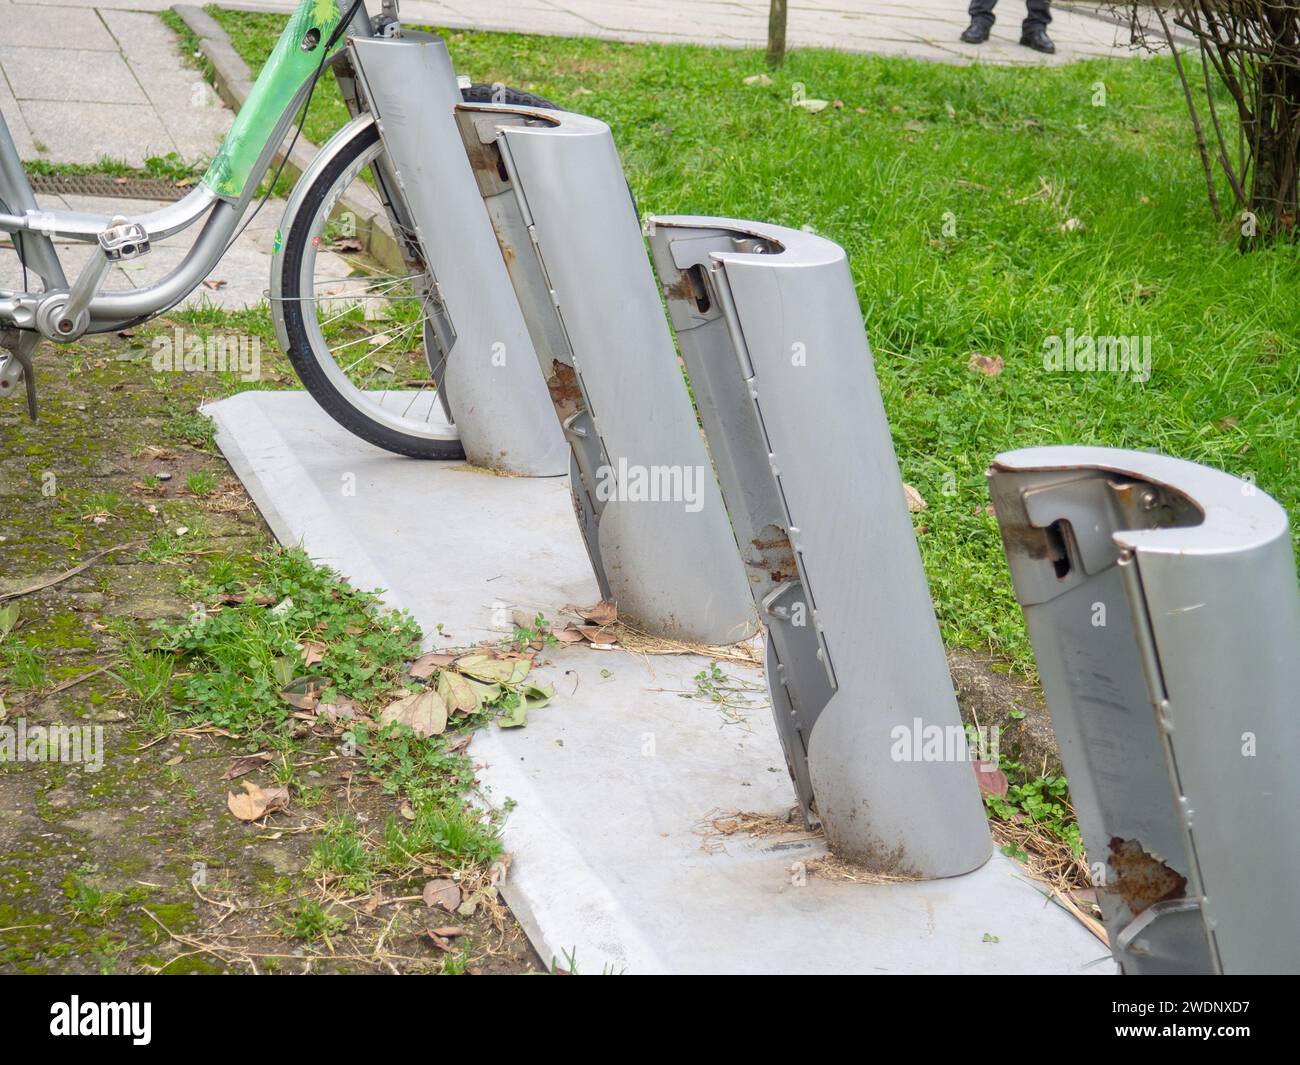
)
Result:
{"points": [[317, 317]]}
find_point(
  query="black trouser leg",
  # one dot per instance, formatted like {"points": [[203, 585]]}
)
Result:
{"points": [[982, 11], [1038, 13]]}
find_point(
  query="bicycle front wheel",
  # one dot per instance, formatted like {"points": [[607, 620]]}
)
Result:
{"points": [[359, 321]]}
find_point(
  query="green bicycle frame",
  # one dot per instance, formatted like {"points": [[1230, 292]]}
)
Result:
{"points": [[295, 59]]}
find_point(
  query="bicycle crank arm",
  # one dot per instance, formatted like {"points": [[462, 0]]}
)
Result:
{"points": [[64, 317]]}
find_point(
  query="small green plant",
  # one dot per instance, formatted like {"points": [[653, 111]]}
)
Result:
{"points": [[422, 770], [87, 901], [313, 921], [709, 683], [246, 644], [201, 483], [454, 831], [1043, 800], [108, 956], [222, 574], [23, 664], [538, 632], [733, 696], [101, 505], [164, 547], [342, 854], [146, 674], [194, 429]]}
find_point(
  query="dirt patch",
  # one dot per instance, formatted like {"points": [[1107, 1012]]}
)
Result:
{"points": [[991, 696]]}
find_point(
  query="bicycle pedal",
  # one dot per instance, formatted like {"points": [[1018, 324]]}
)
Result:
{"points": [[124, 240]]}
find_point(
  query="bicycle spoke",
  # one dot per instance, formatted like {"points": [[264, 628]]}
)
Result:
{"points": [[378, 348]]}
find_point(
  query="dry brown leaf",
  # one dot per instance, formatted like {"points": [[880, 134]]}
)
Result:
{"points": [[303, 693], [246, 764], [423, 712], [915, 501], [500, 869], [567, 635], [425, 665], [449, 931], [339, 710], [312, 652], [991, 779], [603, 613], [457, 692], [444, 893], [256, 802], [595, 634]]}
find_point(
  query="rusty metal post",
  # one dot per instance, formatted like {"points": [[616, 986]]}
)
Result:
{"points": [[1161, 601]]}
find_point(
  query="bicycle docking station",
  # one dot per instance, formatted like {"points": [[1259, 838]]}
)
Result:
{"points": [[481, 355], [771, 333], [1160, 598], [783, 504]]}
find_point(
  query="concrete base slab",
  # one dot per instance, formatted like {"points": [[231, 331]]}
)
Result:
{"points": [[617, 782]]}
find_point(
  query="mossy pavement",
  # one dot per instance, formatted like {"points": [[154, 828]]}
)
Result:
{"points": [[102, 871]]}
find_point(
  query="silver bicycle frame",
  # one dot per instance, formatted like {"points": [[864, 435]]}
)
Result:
{"points": [[38, 229]]}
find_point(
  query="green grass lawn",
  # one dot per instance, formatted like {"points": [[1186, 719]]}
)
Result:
{"points": [[1012, 154]]}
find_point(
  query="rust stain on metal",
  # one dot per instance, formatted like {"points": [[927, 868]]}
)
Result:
{"points": [[681, 289], [484, 158], [562, 384], [579, 510], [1141, 879], [507, 249], [773, 555], [1028, 540]]}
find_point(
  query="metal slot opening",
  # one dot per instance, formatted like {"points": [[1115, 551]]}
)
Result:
{"points": [[1060, 557], [698, 288]]}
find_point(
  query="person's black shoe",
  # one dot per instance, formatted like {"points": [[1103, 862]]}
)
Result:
{"points": [[1038, 40], [976, 33]]}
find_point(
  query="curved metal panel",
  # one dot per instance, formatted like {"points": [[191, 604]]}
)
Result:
{"points": [[647, 501], [1161, 600], [769, 325]]}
